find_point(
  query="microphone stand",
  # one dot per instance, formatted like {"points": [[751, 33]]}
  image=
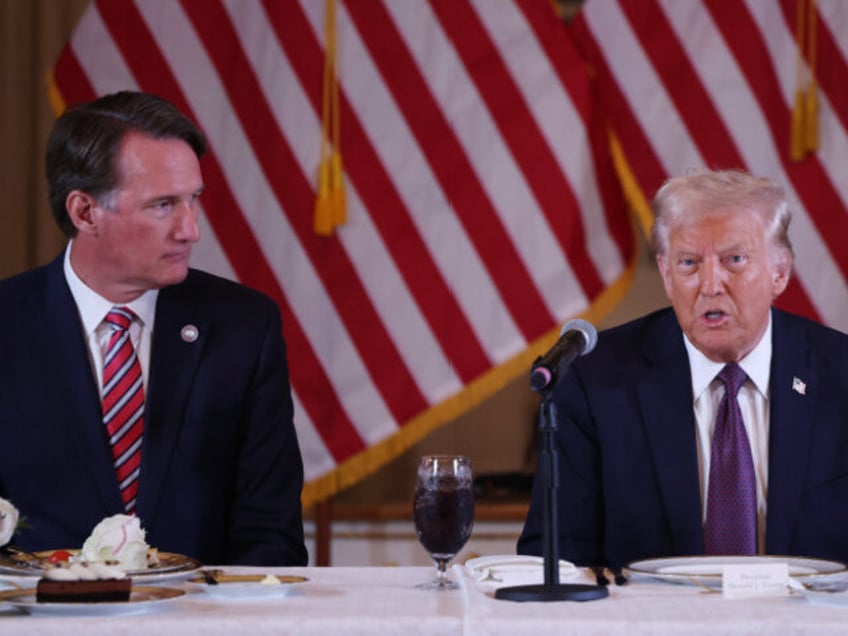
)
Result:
{"points": [[551, 589]]}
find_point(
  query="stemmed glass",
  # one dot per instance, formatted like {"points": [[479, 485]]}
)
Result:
{"points": [[443, 510]]}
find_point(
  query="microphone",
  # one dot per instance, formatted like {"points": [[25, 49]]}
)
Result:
{"points": [[576, 338]]}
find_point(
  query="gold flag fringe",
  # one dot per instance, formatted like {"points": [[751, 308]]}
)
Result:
{"points": [[804, 138], [330, 203]]}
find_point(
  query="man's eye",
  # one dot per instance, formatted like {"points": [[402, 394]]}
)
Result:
{"points": [[162, 207], [687, 262], [736, 259]]}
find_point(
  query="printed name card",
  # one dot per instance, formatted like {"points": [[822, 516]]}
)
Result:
{"points": [[755, 580]]}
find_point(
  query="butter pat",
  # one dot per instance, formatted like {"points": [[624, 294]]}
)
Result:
{"points": [[270, 579]]}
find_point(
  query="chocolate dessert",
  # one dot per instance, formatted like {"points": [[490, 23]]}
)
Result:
{"points": [[98, 591], [79, 583]]}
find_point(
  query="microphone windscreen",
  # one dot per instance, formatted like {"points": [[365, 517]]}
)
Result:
{"points": [[586, 328]]}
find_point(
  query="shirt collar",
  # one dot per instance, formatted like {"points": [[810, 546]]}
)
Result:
{"points": [[93, 307], [757, 364]]}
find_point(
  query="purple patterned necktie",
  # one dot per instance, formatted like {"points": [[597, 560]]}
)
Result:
{"points": [[731, 524]]}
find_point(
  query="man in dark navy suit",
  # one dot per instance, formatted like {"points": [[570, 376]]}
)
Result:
{"points": [[202, 448], [636, 443]]}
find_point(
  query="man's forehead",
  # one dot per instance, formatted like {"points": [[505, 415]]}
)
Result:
{"points": [[719, 231], [139, 144], [145, 157]]}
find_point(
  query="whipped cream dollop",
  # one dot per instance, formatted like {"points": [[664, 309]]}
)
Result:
{"points": [[80, 572], [8, 521], [117, 538]]}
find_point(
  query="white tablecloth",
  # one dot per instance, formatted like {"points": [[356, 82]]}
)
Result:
{"points": [[372, 601]]}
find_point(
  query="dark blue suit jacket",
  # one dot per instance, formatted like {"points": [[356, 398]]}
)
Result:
{"points": [[221, 472], [629, 486]]}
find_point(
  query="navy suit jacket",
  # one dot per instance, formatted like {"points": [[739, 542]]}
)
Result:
{"points": [[221, 471], [629, 486]]}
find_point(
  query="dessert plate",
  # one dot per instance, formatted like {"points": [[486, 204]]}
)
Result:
{"points": [[245, 586], [142, 599], [171, 565], [708, 569]]}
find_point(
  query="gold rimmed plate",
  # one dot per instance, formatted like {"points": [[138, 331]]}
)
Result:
{"points": [[142, 599], [708, 569], [170, 565], [245, 586]]}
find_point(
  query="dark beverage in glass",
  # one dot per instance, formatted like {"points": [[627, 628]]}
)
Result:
{"points": [[443, 510], [444, 518]]}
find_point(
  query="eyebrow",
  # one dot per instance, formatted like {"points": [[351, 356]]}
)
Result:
{"points": [[735, 247], [175, 197]]}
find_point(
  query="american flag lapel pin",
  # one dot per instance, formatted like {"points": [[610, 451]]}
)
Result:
{"points": [[799, 386]]}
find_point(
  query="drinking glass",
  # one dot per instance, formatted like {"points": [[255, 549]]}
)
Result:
{"points": [[443, 509]]}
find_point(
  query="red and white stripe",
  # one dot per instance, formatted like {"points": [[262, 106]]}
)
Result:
{"points": [[482, 210], [123, 403], [689, 84]]}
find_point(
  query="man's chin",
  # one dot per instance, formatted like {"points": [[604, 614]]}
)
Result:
{"points": [[714, 342], [173, 277], [718, 350]]}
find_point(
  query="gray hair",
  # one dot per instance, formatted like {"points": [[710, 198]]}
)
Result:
{"points": [[701, 191]]}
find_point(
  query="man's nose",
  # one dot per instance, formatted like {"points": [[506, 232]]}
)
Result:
{"points": [[188, 228], [712, 277]]}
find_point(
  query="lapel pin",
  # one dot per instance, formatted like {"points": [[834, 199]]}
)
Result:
{"points": [[189, 333], [798, 386]]}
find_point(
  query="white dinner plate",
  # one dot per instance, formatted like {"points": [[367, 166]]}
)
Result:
{"points": [[142, 599], [708, 569], [246, 586]]}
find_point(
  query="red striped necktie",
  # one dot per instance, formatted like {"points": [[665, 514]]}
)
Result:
{"points": [[123, 403]]}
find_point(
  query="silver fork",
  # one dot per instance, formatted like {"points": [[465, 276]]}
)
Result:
{"points": [[23, 558]]}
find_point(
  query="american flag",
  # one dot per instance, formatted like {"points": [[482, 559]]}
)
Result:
{"points": [[482, 208], [720, 83]]}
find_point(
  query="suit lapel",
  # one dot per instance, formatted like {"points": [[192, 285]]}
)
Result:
{"points": [[665, 398], [791, 419], [73, 384], [174, 362]]}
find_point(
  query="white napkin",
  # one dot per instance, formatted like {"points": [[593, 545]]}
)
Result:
{"points": [[8, 521], [504, 570]]}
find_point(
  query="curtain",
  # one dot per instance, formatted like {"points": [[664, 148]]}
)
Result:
{"points": [[32, 32]]}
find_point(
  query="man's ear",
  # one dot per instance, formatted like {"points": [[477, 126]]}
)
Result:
{"points": [[80, 207], [665, 274], [780, 277]]}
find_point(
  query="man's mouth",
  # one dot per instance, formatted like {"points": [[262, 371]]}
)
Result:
{"points": [[179, 256], [714, 315]]}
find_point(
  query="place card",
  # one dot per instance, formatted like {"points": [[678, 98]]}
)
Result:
{"points": [[754, 580]]}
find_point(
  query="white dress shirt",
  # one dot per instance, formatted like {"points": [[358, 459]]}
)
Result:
{"points": [[707, 391], [92, 308]]}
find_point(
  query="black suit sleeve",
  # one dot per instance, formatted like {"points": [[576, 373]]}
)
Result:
{"points": [[579, 491], [266, 527]]}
